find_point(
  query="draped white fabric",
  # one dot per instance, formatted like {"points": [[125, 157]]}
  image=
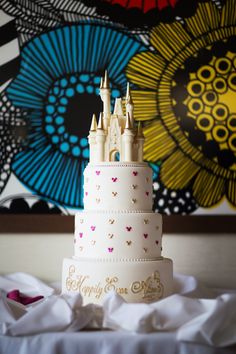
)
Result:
{"points": [[195, 313]]}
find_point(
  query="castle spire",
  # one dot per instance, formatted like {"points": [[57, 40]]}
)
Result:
{"points": [[129, 104], [128, 95], [106, 81], [100, 122], [118, 110], [101, 83], [93, 126], [105, 94]]}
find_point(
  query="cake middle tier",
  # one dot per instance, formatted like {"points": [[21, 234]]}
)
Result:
{"points": [[118, 186], [118, 235]]}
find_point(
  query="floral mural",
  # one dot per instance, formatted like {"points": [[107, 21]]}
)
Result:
{"points": [[180, 59]]}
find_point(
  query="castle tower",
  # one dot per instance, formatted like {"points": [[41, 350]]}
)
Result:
{"points": [[105, 94], [92, 139], [100, 140], [140, 141], [129, 105], [128, 139]]}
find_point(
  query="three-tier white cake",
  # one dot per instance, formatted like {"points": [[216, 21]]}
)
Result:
{"points": [[118, 239]]}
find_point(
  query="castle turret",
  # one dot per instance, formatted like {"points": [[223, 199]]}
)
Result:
{"points": [[105, 94], [128, 139], [129, 105], [118, 110], [140, 141], [100, 140], [92, 138]]}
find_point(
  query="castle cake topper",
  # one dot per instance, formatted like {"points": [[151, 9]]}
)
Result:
{"points": [[115, 136]]}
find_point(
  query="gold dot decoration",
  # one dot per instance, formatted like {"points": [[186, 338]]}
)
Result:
{"points": [[93, 242], [98, 200], [134, 186], [128, 243], [114, 194], [145, 249], [111, 221], [98, 186], [146, 221], [81, 221], [81, 248], [110, 236], [134, 200]]}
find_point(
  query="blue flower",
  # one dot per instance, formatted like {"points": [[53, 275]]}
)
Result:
{"points": [[58, 85]]}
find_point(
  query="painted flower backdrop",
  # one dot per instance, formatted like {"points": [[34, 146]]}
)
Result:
{"points": [[180, 59], [58, 84], [186, 97]]}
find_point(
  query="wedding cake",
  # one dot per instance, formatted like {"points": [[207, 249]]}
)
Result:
{"points": [[118, 239]]}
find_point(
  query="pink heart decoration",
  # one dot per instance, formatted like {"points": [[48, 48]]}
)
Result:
{"points": [[110, 249], [86, 193], [93, 228], [157, 242], [147, 193], [128, 228], [145, 235], [98, 173], [81, 234], [114, 179], [135, 173]]}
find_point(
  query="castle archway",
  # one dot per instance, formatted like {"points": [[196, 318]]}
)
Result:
{"points": [[114, 155]]}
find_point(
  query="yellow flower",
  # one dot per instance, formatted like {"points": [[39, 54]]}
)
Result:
{"points": [[187, 100]]}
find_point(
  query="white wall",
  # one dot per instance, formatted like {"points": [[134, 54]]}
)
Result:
{"points": [[211, 258]]}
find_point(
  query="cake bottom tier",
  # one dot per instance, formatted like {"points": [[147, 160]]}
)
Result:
{"points": [[135, 280]]}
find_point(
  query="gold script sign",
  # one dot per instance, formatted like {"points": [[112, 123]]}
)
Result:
{"points": [[150, 289]]}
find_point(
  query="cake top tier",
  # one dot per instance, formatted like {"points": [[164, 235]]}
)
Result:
{"points": [[115, 137], [118, 186]]}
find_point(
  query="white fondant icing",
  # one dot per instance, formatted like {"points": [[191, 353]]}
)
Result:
{"points": [[118, 186], [118, 235]]}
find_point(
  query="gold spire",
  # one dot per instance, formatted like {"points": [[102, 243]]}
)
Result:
{"points": [[140, 131], [101, 83], [128, 124], [127, 91], [93, 126], [106, 82], [128, 95], [100, 122]]}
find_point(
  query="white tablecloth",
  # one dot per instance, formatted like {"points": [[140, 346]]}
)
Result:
{"points": [[195, 320], [104, 342]]}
